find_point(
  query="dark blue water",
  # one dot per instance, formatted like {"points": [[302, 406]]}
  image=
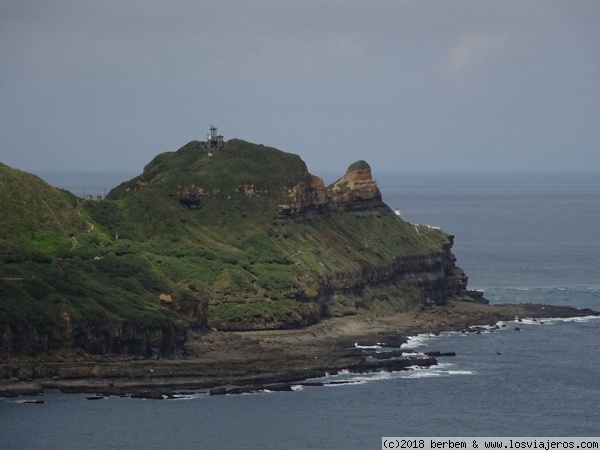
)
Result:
{"points": [[520, 238], [511, 230]]}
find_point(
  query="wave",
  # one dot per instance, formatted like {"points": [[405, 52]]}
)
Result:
{"points": [[531, 321], [582, 319], [194, 396], [443, 368], [419, 374], [417, 341], [437, 371], [346, 378], [367, 346], [555, 320]]}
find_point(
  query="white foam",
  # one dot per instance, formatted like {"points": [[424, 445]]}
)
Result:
{"points": [[436, 371], [375, 376], [483, 328], [359, 377], [441, 366], [330, 376], [530, 321], [188, 396], [417, 341], [366, 346], [368, 378], [553, 320], [346, 378], [420, 374], [579, 319]]}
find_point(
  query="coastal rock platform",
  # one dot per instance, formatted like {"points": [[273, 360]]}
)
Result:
{"points": [[246, 361]]}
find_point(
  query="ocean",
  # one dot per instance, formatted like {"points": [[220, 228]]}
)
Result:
{"points": [[519, 237]]}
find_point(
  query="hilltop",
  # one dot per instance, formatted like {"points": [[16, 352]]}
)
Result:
{"points": [[241, 237]]}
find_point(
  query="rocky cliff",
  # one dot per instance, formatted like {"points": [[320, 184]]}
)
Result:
{"points": [[355, 191], [433, 275], [113, 338]]}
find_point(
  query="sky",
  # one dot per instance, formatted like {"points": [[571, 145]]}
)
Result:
{"points": [[407, 85]]}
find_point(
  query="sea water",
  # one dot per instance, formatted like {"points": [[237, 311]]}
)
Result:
{"points": [[521, 238]]}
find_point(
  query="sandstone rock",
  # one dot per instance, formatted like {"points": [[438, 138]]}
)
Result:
{"points": [[165, 298], [355, 191]]}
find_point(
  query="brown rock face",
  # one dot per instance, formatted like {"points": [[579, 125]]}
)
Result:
{"points": [[434, 275], [306, 197], [355, 191]]}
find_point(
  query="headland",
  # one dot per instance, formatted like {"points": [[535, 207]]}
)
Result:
{"points": [[224, 263]]}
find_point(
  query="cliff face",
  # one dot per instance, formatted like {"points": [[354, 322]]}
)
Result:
{"points": [[355, 191], [431, 278], [124, 338], [307, 197]]}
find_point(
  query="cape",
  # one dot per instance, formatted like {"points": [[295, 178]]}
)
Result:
{"points": [[238, 237]]}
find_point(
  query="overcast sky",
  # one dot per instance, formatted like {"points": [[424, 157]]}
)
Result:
{"points": [[408, 85]]}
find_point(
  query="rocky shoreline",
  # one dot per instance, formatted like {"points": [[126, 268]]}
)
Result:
{"points": [[242, 362]]}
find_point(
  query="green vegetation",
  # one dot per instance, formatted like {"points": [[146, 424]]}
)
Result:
{"points": [[35, 216], [195, 240], [359, 165]]}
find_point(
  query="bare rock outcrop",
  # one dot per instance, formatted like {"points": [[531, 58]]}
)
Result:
{"points": [[355, 191]]}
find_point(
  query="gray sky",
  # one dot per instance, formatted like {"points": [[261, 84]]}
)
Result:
{"points": [[408, 85]]}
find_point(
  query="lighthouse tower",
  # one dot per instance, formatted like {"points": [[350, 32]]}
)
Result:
{"points": [[213, 139]]}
